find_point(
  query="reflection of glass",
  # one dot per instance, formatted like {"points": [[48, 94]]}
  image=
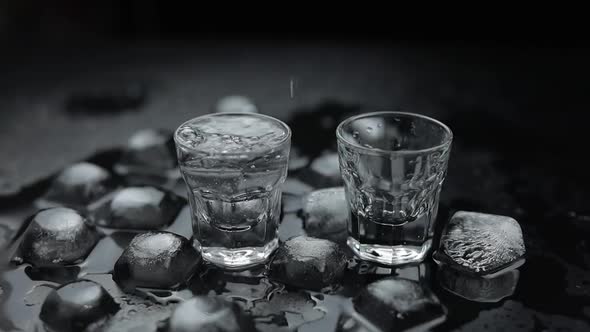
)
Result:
{"points": [[476, 288], [393, 165], [234, 165]]}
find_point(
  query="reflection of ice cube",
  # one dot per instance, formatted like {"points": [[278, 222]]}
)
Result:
{"points": [[308, 263], [156, 260], [285, 309], [203, 313], [80, 184], [56, 236], [326, 213], [482, 243], [399, 304], [476, 288], [142, 208], [74, 306]]}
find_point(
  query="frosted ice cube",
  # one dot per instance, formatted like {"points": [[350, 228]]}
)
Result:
{"points": [[325, 213], [308, 263], [76, 305], [56, 236], [204, 313], [156, 260], [80, 184], [481, 243], [399, 304]]}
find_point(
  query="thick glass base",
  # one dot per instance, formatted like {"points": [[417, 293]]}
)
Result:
{"points": [[389, 255], [238, 258]]}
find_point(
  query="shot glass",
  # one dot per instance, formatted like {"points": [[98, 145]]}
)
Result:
{"points": [[393, 165], [234, 165]]}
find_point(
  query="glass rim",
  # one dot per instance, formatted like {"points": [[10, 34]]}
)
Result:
{"points": [[446, 142], [258, 115]]}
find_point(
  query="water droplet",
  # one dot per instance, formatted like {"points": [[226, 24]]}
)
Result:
{"points": [[380, 125], [369, 129], [278, 156], [355, 134], [252, 166]]}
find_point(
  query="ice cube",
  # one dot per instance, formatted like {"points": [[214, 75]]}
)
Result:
{"points": [[325, 171], [79, 185], [481, 243], [151, 148], [325, 213], [399, 304], [308, 263], [76, 305], [297, 160], [156, 260], [235, 104], [476, 288], [291, 226], [56, 236], [295, 187], [141, 208], [203, 313], [291, 204]]}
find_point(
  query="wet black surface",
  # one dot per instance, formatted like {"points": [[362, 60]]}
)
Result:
{"points": [[507, 172]]}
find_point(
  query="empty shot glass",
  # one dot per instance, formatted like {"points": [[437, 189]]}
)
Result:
{"points": [[234, 165], [393, 165]]}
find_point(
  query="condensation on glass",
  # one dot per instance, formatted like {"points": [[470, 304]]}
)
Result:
{"points": [[393, 165]]}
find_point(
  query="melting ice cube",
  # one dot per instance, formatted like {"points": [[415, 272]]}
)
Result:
{"points": [[325, 213], [326, 170], [56, 236], [151, 148], [79, 185], [76, 305], [156, 260], [481, 243], [399, 304], [308, 263]]}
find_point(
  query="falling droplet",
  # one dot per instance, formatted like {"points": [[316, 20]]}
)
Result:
{"points": [[292, 87]]}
